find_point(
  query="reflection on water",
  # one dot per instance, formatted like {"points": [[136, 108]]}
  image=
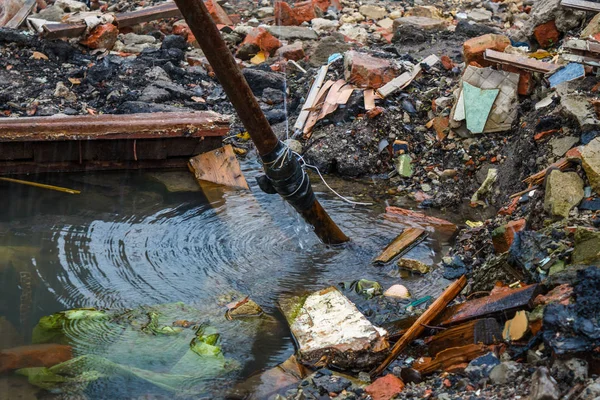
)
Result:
{"points": [[128, 241]]}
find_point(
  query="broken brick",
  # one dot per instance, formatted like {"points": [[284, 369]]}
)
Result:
{"points": [[503, 236], [366, 71], [474, 48], [181, 28], [294, 51], [375, 112], [35, 355], [440, 125], [385, 388], [301, 12], [102, 37], [546, 34], [525, 86], [259, 39], [447, 62], [217, 13], [322, 4]]}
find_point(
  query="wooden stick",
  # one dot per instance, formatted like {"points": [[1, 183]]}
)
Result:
{"points": [[417, 328], [41, 185]]}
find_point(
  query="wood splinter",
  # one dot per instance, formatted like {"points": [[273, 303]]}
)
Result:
{"points": [[425, 319]]}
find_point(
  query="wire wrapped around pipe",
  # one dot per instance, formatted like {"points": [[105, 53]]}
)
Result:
{"points": [[284, 175]]}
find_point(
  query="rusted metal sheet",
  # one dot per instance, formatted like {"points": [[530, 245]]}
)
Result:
{"points": [[104, 127], [581, 5], [169, 10], [522, 62]]}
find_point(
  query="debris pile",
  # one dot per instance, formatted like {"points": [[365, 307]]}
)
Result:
{"points": [[490, 108]]}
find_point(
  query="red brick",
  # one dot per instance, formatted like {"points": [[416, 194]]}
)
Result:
{"points": [[35, 355], [217, 13], [546, 34], [375, 112], [440, 125], [288, 16], [385, 387], [368, 72], [294, 51], [474, 48], [181, 28], [526, 83], [259, 39], [102, 37], [503, 237], [323, 5], [447, 62]]}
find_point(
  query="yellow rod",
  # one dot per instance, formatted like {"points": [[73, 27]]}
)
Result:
{"points": [[41, 185]]}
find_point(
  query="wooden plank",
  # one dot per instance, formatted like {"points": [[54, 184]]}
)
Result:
{"points": [[582, 45], [346, 92], [581, 5], [20, 16], [400, 244], [219, 166], [331, 104], [522, 62], [311, 98], [505, 301], [369, 97], [486, 331], [452, 356], [316, 109], [109, 126], [419, 326], [406, 78]]}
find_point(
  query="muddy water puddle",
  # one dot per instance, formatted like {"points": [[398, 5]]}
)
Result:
{"points": [[149, 248]]}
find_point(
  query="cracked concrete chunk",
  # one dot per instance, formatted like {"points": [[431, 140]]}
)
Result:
{"points": [[331, 331]]}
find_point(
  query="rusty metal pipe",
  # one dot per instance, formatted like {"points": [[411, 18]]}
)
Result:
{"points": [[239, 93]]}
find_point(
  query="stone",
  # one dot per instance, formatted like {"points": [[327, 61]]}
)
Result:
{"points": [[367, 71], [386, 23], [543, 386], [153, 94], [51, 13], [424, 11], [503, 236], [264, 12], [428, 24], [590, 156], [354, 32], [71, 6], [174, 42], [259, 39], [292, 33], [474, 48], [327, 46], [322, 25], [479, 15], [413, 265], [273, 96], [385, 388], [573, 370], [36, 355], [134, 38], [587, 247], [564, 190], [260, 80], [565, 19], [294, 51], [505, 372], [578, 107], [64, 92], [243, 309], [301, 12], [592, 391], [327, 324], [546, 34], [327, 382], [102, 37], [217, 13], [294, 145], [397, 292], [158, 74], [561, 145], [481, 367], [592, 28], [373, 12]]}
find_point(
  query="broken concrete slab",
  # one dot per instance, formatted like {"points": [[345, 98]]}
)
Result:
{"points": [[561, 145], [331, 331], [578, 107], [373, 12], [590, 156], [587, 247], [428, 24], [564, 190], [292, 32]]}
